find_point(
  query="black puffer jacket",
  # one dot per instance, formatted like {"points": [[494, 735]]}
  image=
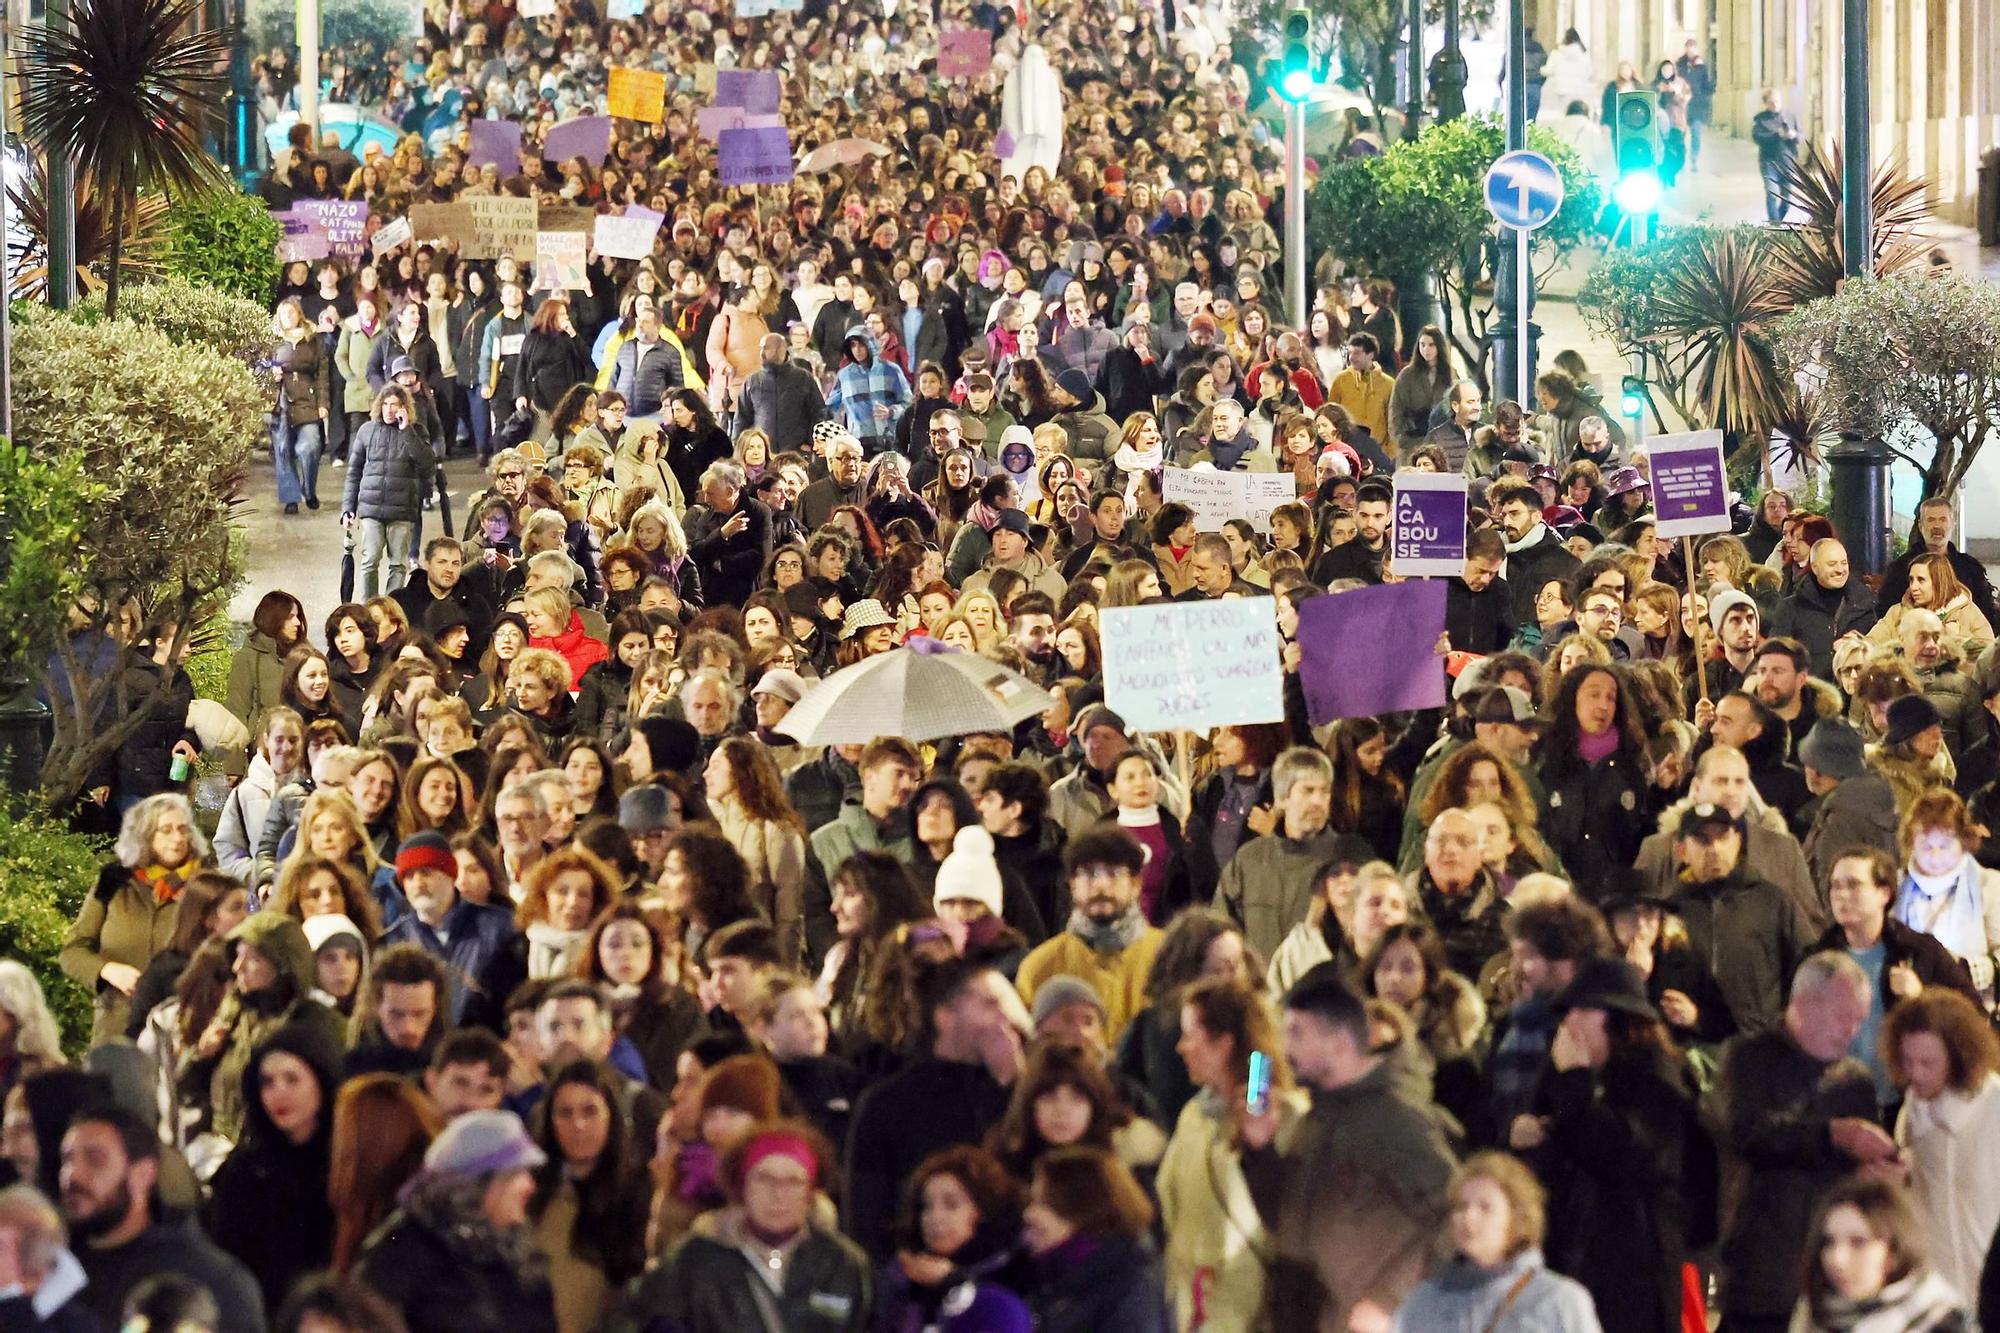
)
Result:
{"points": [[550, 365], [388, 469], [441, 1290]]}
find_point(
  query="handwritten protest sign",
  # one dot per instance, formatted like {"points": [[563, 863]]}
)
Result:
{"points": [[565, 217], [754, 90], [1194, 665], [1429, 525], [503, 225], [1372, 650], [498, 142], [624, 9], [625, 238], [535, 9], [1690, 488], [761, 156], [1216, 497], [345, 222], [389, 237], [711, 121], [638, 94], [587, 137], [561, 261], [441, 222], [965, 53], [304, 239]]}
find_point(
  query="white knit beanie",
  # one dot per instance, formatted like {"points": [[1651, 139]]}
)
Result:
{"points": [[970, 871]]}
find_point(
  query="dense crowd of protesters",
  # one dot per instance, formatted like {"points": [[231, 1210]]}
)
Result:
{"points": [[534, 978]]}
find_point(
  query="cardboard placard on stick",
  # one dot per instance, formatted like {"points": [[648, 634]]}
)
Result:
{"points": [[442, 222], [565, 217], [561, 261], [761, 156], [638, 94], [625, 237]]}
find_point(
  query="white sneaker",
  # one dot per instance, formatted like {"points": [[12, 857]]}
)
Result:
{"points": [[340, 462]]}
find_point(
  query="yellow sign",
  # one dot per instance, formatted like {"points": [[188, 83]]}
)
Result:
{"points": [[638, 94]]}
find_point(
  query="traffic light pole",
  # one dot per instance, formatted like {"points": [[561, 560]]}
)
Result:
{"points": [[61, 197], [1413, 113], [1859, 463], [1295, 213]]}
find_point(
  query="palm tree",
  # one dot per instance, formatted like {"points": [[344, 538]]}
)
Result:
{"points": [[144, 241], [125, 96]]}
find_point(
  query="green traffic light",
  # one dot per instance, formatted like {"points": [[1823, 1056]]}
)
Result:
{"points": [[1297, 85], [1638, 193]]}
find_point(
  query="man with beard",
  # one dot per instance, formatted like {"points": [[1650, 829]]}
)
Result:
{"points": [[1107, 944], [110, 1171], [1535, 554], [1031, 623], [466, 935], [1362, 558]]}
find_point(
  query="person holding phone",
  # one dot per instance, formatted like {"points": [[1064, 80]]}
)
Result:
{"points": [[1215, 1239]]}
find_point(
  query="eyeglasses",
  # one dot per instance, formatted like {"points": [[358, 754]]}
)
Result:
{"points": [[512, 476]]}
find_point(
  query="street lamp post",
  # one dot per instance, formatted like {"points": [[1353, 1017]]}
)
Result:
{"points": [[1859, 463], [1448, 85], [1413, 112], [1295, 213], [1513, 287], [61, 202]]}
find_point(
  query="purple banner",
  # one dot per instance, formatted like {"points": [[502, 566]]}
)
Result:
{"points": [[755, 156], [754, 90], [1372, 650], [587, 137], [498, 142]]}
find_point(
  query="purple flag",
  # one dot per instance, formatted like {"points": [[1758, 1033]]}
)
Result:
{"points": [[587, 137], [1372, 650], [498, 142]]}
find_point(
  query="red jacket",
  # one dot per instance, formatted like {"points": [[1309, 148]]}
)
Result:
{"points": [[575, 646]]}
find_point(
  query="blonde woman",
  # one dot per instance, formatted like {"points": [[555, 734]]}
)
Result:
{"points": [[31, 1042]]}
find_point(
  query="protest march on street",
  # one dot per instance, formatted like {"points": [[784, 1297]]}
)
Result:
{"points": [[965, 767]]}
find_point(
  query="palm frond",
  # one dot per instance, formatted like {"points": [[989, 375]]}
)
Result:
{"points": [[28, 246], [127, 92], [1719, 305], [1813, 262]]}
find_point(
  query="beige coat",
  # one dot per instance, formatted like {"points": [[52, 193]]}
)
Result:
{"points": [[776, 855], [1955, 1175], [1214, 1232]]}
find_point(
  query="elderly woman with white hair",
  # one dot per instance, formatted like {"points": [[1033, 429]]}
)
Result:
{"points": [[30, 1042], [729, 535], [131, 914], [48, 1280], [655, 534]]}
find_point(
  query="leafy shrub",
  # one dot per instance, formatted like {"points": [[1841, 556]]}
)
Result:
{"points": [[192, 315], [166, 428], [45, 872], [44, 507], [224, 241]]}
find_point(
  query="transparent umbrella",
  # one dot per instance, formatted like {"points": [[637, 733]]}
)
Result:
{"points": [[921, 691]]}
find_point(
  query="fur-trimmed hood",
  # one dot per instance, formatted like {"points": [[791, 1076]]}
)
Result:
{"points": [[1759, 815]]}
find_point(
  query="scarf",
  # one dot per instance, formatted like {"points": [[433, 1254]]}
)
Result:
{"points": [[165, 882], [1228, 453], [1948, 908], [1128, 459], [1598, 746], [1534, 538], [1114, 936], [985, 515]]}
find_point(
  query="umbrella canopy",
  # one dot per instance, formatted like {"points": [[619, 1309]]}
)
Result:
{"points": [[841, 153], [921, 691]]}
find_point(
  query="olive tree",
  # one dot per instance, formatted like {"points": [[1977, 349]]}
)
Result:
{"points": [[1912, 358], [161, 430]]}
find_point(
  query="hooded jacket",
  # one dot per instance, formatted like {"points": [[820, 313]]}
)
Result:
{"points": [[1770, 853], [251, 1019], [388, 470], [262, 1205]]}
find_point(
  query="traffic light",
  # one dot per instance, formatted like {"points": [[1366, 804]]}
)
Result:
{"points": [[1632, 398], [1636, 141], [1295, 80]]}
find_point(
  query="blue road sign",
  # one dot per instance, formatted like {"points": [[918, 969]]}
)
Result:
{"points": [[1523, 190]]}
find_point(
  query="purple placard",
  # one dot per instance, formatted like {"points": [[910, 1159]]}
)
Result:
{"points": [[498, 142], [304, 238], [761, 156], [1372, 650], [754, 90], [587, 137], [965, 53], [1690, 488], [1003, 143], [344, 221], [1429, 525], [711, 121]]}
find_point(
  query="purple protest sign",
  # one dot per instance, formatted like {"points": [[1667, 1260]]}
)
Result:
{"points": [[1429, 526], [1003, 143], [304, 238], [754, 90], [587, 137], [344, 222], [965, 53], [1690, 489], [760, 156], [1372, 650], [711, 121], [498, 142]]}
